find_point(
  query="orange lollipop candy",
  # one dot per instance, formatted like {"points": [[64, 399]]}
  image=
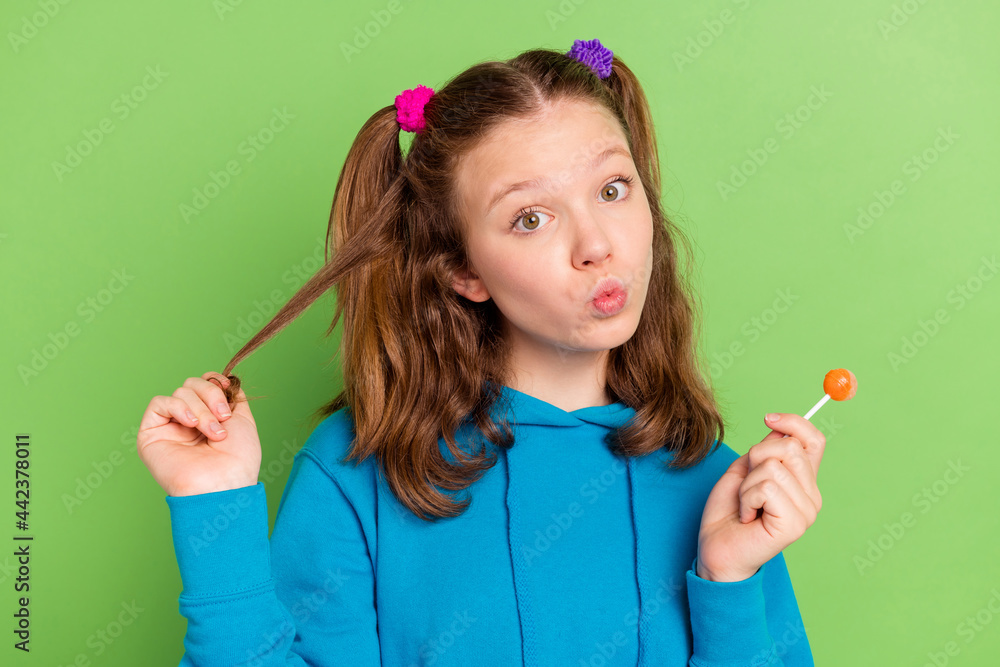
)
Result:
{"points": [[840, 385]]}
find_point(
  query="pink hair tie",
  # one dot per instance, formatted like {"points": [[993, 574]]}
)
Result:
{"points": [[410, 108]]}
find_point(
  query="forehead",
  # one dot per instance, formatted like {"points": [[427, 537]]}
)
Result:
{"points": [[564, 124], [565, 133]]}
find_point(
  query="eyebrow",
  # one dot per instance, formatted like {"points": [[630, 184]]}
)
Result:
{"points": [[539, 181]]}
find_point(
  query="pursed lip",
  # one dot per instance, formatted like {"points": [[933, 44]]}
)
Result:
{"points": [[605, 285]]}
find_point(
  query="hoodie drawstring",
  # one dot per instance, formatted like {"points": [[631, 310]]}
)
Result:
{"points": [[529, 655], [640, 567]]}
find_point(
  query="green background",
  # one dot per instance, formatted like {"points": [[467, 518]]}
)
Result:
{"points": [[897, 77]]}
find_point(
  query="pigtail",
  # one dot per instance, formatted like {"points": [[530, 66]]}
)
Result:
{"points": [[363, 239]]}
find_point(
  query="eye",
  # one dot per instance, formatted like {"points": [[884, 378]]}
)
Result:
{"points": [[610, 191], [531, 219], [609, 194]]}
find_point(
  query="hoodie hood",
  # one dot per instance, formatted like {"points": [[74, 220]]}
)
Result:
{"points": [[525, 410]]}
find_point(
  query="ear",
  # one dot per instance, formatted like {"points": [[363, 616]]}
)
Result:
{"points": [[468, 283]]}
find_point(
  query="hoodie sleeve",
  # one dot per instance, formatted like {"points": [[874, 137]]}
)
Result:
{"points": [[748, 623], [306, 597]]}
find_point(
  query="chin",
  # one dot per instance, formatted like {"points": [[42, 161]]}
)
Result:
{"points": [[602, 334]]}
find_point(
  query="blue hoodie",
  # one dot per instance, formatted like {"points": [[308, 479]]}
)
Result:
{"points": [[567, 555]]}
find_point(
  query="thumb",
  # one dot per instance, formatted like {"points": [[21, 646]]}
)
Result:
{"points": [[773, 434], [723, 500], [736, 472], [241, 407], [238, 404]]}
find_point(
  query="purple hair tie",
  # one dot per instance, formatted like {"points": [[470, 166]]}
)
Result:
{"points": [[592, 54], [410, 108]]}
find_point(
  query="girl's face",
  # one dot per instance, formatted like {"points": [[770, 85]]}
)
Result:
{"points": [[575, 222]]}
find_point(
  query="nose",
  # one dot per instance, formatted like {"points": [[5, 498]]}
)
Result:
{"points": [[591, 244]]}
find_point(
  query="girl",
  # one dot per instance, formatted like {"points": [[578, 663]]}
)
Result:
{"points": [[517, 329]]}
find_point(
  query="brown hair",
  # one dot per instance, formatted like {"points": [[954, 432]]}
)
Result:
{"points": [[418, 358]]}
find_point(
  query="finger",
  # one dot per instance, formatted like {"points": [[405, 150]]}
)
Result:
{"points": [[163, 409], [728, 484], [218, 402], [773, 435], [779, 514], [778, 510], [213, 375], [736, 471], [772, 479], [167, 416], [793, 455], [242, 407], [801, 467], [207, 421], [808, 434]]}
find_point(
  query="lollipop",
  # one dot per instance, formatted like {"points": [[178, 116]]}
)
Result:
{"points": [[840, 385]]}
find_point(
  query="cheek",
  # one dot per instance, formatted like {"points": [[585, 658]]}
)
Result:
{"points": [[530, 292], [642, 257], [523, 280], [635, 241]]}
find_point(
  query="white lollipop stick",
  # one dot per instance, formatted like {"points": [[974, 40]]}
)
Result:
{"points": [[812, 411], [826, 397], [841, 382]]}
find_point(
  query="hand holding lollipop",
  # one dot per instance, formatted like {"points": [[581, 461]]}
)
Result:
{"points": [[768, 497]]}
